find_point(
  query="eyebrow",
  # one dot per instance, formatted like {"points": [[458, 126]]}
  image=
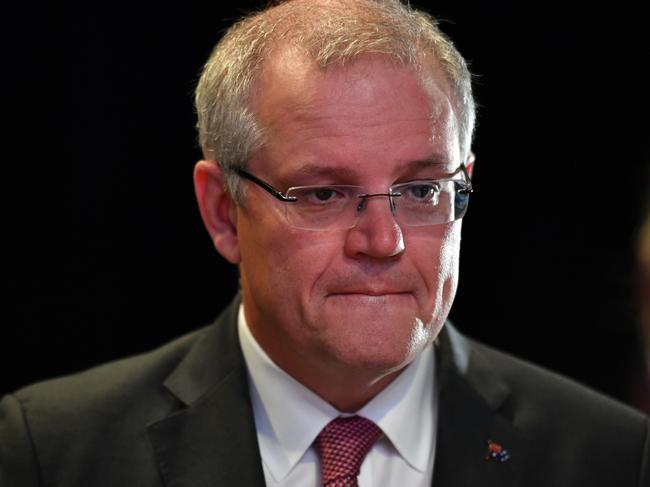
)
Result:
{"points": [[315, 171], [435, 160]]}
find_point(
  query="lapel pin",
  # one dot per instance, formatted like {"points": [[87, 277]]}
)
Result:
{"points": [[496, 452]]}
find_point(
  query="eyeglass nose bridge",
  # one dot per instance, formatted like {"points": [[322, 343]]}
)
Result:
{"points": [[364, 200]]}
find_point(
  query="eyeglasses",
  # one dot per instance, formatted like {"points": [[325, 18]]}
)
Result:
{"points": [[339, 206]]}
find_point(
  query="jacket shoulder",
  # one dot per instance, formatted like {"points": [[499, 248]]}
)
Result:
{"points": [[535, 389], [70, 420], [106, 387], [575, 435]]}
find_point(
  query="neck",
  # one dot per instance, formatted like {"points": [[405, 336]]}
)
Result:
{"points": [[348, 388], [346, 391]]}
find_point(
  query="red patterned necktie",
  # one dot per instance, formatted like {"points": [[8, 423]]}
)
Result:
{"points": [[342, 446]]}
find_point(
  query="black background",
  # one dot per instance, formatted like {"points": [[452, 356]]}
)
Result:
{"points": [[105, 253]]}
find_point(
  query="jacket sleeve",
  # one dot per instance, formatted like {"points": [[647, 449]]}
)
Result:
{"points": [[18, 462], [644, 477]]}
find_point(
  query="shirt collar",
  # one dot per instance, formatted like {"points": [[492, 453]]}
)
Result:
{"points": [[406, 411], [289, 416]]}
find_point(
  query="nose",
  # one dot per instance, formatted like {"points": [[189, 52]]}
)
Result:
{"points": [[376, 233]]}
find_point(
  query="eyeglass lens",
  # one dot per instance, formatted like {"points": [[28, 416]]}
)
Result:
{"points": [[417, 203]]}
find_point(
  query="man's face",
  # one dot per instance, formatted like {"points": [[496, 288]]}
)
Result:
{"points": [[369, 298]]}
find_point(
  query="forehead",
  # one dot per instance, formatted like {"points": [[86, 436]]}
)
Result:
{"points": [[372, 106]]}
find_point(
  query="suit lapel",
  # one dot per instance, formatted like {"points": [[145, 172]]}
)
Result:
{"points": [[472, 413], [212, 440]]}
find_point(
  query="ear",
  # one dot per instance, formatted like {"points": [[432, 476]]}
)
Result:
{"points": [[469, 163], [218, 210]]}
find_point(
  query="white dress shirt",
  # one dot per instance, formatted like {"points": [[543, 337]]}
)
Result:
{"points": [[288, 417]]}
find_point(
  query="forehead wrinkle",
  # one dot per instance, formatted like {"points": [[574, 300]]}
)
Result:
{"points": [[310, 112], [308, 109]]}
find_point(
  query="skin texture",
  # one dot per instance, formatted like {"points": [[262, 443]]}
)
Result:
{"points": [[341, 311]]}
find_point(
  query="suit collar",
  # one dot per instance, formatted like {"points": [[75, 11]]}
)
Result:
{"points": [[459, 359], [473, 410], [212, 439], [211, 360]]}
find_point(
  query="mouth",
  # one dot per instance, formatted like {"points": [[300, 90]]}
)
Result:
{"points": [[369, 293], [365, 299]]}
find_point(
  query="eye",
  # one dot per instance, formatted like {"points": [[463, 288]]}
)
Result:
{"points": [[422, 191], [323, 194]]}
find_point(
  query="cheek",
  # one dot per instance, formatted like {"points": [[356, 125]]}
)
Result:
{"points": [[450, 251], [448, 270], [437, 263], [280, 260], [436, 256]]}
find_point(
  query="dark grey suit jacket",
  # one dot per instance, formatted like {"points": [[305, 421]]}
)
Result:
{"points": [[181, 416]]}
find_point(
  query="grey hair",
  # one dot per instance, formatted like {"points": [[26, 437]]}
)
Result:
{"points": [[331, 32]]}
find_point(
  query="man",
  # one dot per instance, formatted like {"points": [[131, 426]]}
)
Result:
{"points": [[336, 137]]}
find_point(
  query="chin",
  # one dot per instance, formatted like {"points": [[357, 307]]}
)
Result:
{"points": [[381, 344], [364, 309]]}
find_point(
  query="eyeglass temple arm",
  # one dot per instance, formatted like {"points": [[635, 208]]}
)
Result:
{"points": [[468, 180], [266, 186]]}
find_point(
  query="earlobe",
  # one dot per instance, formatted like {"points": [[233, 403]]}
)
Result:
{"points": [[218, 210], [469, 163]]}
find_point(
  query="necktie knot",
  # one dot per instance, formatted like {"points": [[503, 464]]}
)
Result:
{"points": [[342, 445]]}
